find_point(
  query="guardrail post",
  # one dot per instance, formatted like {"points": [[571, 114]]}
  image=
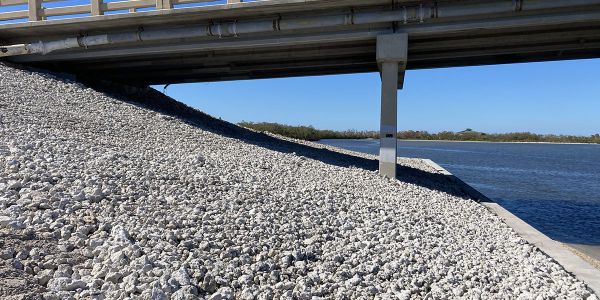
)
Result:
{"points": [[392, 52], [164, 4], [35, 10], [97, 7]]}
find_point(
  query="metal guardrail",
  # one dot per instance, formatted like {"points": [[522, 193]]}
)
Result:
{"points": [[36, 12]]}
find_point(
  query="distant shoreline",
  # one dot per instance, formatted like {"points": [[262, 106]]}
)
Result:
{"points": [[493, 142], [455, 141], [309, 133]]}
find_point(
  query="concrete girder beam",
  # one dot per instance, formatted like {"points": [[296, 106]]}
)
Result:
{"points": [[392, 53]]}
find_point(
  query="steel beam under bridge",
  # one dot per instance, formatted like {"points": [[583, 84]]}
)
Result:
{"points": [[282, 38]]}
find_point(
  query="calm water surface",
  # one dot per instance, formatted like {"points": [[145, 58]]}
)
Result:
{"points": [[554, 187]]}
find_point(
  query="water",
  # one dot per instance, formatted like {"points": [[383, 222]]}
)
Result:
{"points": [[553, 187]]}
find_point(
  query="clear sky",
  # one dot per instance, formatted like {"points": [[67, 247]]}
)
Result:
{"points": [[550, 97]]}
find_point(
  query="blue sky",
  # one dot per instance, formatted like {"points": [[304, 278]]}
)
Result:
{"points": [[550, 97]]}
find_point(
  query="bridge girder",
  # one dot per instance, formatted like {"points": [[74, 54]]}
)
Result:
{"points": [[457, 33]]}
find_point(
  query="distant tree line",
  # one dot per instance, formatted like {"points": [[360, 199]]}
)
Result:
{"points": [[470, 135], [310, 133]]}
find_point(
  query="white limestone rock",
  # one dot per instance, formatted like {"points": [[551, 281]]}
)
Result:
{"points": [[5, 221], [141, 206]]}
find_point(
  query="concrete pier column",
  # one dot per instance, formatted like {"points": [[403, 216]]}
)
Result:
{"points": [[389, 117], [392, 52]]}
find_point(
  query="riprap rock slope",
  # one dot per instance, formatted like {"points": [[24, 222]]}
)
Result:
{"points": [[105, 198]]}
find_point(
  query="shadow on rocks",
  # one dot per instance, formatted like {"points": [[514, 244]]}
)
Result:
{"points": [[15, 282], [152, 99]]}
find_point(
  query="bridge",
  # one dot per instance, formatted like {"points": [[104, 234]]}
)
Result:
{"points": [[144, 42]]}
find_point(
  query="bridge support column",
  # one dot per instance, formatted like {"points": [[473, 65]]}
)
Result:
{"points": [[392, 52]]}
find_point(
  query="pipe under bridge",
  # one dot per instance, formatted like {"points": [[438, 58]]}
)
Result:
{"points": [[159, 42]]}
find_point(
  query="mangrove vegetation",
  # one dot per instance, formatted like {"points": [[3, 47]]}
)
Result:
{"points": [[310, 133]]}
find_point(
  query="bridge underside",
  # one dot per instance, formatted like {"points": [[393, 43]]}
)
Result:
{"points": [[323, 58], [434, 42]]}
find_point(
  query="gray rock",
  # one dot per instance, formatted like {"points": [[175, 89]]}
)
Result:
{"points": [[181, 276], [158, 294], [113, 277], [17, 264], [44, 276], [185, 293], [63, 270], [7, 253], [4, 221], [209, 284], [224, 293], [14, 185], [65, 284], [22, 255], [120, 235], [139, 205]]}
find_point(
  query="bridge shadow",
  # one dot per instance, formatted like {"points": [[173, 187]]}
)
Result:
{"points": [[151, 99]]}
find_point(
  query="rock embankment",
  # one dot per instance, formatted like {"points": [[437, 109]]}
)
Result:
{"points": [[106, 199]]}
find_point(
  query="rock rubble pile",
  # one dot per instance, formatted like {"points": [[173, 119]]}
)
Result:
{"points": [[106, 199]]}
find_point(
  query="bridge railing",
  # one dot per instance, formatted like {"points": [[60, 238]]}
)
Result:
{"points": [[37, 12]]}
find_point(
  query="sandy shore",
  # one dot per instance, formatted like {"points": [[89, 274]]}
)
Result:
{"points": [[589, 253]]}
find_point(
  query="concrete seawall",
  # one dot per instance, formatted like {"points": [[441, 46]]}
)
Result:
{"points": [[584, 269]]}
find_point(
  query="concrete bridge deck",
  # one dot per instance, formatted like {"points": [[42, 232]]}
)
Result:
{"points": [[281, 38]]}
